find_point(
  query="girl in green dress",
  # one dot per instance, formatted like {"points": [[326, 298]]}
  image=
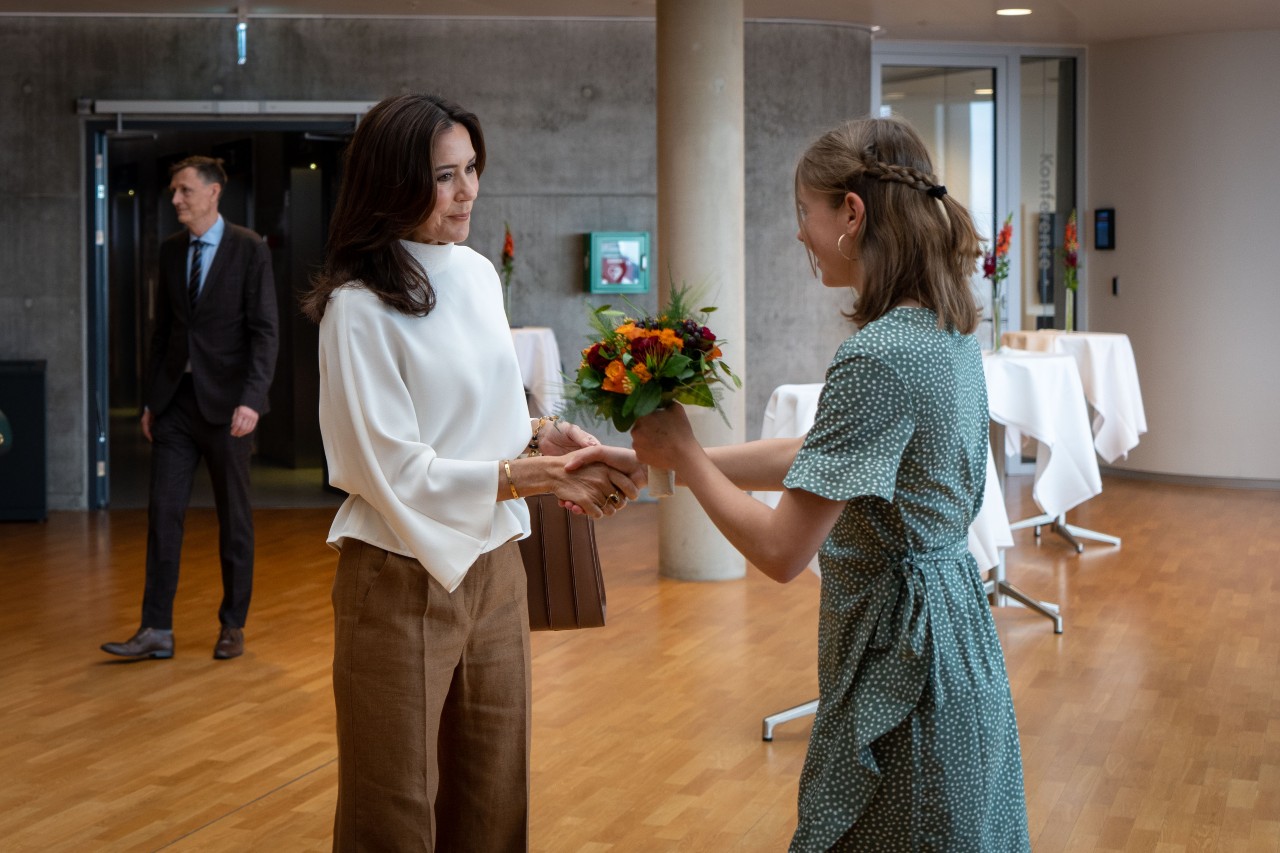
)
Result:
{"points": [[914, 746]]}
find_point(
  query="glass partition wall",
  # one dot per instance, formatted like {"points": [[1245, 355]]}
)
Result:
{"points": [[1001, 129], [953, 109], [1047, 196]]}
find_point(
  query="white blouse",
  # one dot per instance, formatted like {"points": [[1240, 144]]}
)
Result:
{"points": [[415, 413]]}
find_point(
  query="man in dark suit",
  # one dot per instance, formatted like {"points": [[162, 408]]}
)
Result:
{"points": [[212, 358]]}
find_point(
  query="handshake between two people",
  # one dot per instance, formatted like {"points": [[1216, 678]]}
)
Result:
{"points": [[587, 477], [660, 440]]}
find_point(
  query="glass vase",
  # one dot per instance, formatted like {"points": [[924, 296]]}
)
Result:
{"points": [[996, 328], [1070, 302]]}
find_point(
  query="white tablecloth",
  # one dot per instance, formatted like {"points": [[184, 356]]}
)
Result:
{"points": [[1039, 394], [1110, 379], [791, 411], [539, 357]]}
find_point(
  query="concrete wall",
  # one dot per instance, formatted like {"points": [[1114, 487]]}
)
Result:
{"points": [[801, 79], [568, 108], [1181, 139]]}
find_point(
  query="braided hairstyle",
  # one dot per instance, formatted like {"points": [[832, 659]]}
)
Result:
{"points": [[917, 242]]}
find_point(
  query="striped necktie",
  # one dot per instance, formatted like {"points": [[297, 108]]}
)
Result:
{"points": [[193, 283]]}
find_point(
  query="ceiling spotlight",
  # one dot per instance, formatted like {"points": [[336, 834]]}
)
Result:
{"points": [[984, 91], [1013, 12]]}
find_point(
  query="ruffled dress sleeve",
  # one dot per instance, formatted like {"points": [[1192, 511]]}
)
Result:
{"points": [[863, 423]]}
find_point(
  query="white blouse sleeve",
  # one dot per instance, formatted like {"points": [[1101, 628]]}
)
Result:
{"points": [[442, 509]]}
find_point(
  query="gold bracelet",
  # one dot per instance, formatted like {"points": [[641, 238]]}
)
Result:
{"points": [[511, 484], [531, 449]]}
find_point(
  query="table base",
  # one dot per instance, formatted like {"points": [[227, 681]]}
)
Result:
{"points": [[795, 713], [998, 588], [1069, 532]]}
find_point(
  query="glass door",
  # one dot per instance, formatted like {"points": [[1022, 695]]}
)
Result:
{"points": [[1001, 126], [953, 104], [1047, 197]]}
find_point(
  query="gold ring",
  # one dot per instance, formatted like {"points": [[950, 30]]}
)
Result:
{"points": [[615, 499]]}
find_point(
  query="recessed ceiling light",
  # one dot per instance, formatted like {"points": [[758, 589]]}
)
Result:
{"points": [[984, 91], [1012, 12]]}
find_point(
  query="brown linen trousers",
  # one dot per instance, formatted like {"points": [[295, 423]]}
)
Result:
{"points": [[433, 699]]}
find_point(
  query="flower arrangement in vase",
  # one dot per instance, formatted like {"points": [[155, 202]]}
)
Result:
{"points": [[1070, 269], [995, 267], [508, 267]]}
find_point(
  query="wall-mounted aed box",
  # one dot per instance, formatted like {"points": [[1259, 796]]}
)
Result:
{"points": [[617, 262]]}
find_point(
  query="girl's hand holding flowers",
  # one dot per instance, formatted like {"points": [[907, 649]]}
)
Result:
{"points": [[664, 439]]}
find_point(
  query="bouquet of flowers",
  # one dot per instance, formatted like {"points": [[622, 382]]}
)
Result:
{"points": [[1071, 267], [995, 266], [634, 366]]}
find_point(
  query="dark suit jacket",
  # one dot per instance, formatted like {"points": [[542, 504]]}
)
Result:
{"points": [[231, 338]]}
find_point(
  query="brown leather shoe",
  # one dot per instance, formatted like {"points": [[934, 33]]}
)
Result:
{"points": [[147, 643], [230, 643]]}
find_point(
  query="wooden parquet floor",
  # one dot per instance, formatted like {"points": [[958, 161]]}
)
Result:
{"points": [[1152, 724]]}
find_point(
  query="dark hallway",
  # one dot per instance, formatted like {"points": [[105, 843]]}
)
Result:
{"points": [[281, 184]]}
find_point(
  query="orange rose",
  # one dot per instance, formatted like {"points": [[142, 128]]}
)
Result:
{"points": [[669, 338], [630, 332], [642, 373], [615, 379]]}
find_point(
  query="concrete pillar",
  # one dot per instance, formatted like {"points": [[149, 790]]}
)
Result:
{"points": [[701, 166]]}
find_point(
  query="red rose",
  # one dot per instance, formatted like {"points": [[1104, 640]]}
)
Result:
{"points": [[596, 359], [701, 340], [642, 348]]}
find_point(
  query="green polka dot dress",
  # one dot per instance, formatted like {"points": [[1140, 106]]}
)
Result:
{"points": [[914, 746]]}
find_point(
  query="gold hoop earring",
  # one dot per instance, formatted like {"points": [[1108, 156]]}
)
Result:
{"points": [[840, 248]]}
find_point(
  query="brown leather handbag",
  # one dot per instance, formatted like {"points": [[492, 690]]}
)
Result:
{"points": [[562, 565]]}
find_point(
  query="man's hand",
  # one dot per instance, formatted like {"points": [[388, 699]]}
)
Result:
{"points": [[243, 421], [147, 418]]}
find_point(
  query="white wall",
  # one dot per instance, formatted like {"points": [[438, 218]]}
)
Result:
{"points": [[1183, 141]]}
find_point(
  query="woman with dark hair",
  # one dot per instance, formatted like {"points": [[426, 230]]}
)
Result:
{"points": [[425, 426], [914, 746]]}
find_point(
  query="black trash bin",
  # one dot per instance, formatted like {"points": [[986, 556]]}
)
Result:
{"points": [[22, 452]]}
